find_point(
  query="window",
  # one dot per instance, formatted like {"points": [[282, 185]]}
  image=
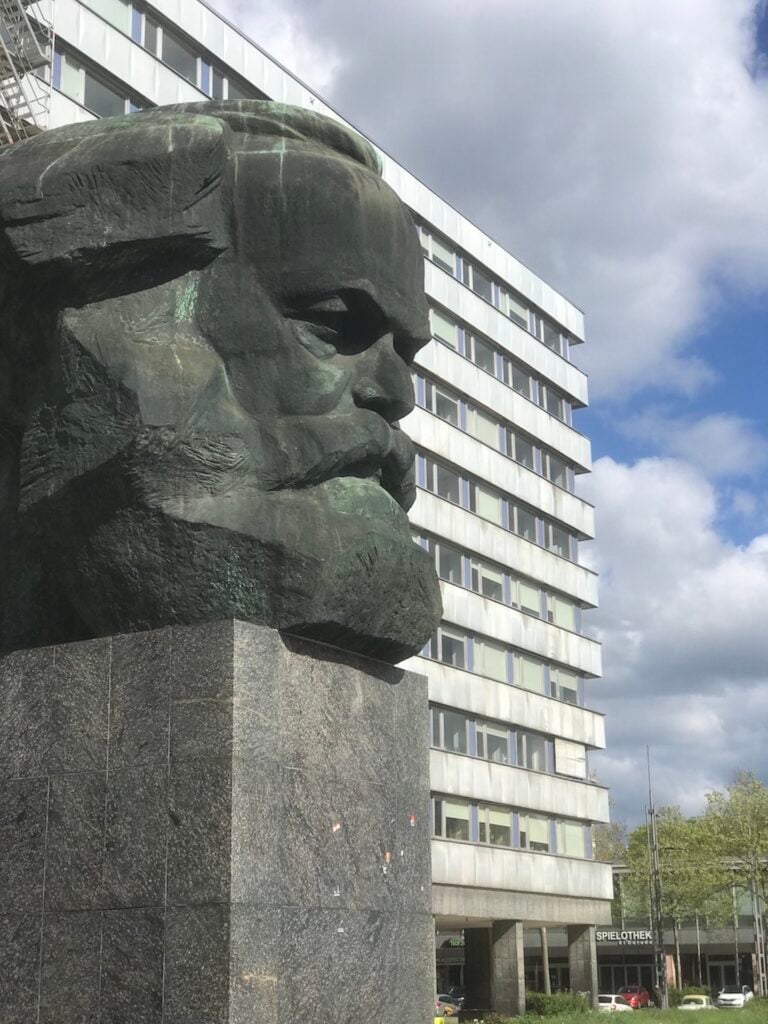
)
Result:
{"points": [[482, 354], [521, 450], [217, 84], [551, 336], [532, 751], [494, 825], [483, 427], [554, 403], [534, 833], [442, 403], [522, 522], [240, 91], [556, 470], [490, 660], [438, 251], [526, 597], [452, 819], [564, 684], [529, 673], [519, 380], [151, 35], [443, 481], [448, 562], [515, 309], [179, 56], [492, 742], [450, 647], [558, 540], [444, 329], [571, 839], [116, 12], [101, 98], [455, 728], [90, 89], [570, 758], [562, 612], [487, 581], [486, 503], [478, 281]]}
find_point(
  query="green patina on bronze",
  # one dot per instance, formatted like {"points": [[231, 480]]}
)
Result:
{"points": [[209, 312]]}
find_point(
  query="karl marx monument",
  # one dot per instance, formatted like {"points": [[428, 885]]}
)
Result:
{"points": [[213, 782]]}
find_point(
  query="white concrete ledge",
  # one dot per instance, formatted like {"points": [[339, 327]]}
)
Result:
{"points": [[476, 779], [489, 699], [491, 867], [463, 375], [488, 465], [450, 293], [481, 615], [476, 535]]}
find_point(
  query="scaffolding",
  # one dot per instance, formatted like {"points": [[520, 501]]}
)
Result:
{"points": [[26, 52]]}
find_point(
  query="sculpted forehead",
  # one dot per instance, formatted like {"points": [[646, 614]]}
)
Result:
{"points": [[315, 223]]}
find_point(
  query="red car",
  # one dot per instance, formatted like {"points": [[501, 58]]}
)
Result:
{"points": [[636, 996]]}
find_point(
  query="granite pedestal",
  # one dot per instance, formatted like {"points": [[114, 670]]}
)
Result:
{"points": [[212, 824]]}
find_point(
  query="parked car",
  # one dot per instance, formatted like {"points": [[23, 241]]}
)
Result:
{"points": [[636, 996], [697, 1003], [613, 1004], [734, 996], [447, 1004]]}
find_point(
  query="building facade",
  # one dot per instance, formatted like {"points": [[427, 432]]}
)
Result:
{"points": [[497, 395]]}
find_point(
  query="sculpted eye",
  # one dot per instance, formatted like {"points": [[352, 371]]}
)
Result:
{"points": [[323, 326]]}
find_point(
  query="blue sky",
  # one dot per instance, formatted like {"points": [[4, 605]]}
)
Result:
{"points": [[620, 149]]}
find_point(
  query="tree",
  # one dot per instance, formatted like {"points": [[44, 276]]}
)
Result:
{"points": [[695, 882], [737, 821]]}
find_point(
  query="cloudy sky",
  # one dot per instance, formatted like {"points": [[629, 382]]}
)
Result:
{"points": [[620, 149]]}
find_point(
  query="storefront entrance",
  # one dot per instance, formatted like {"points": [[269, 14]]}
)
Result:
{"points": [[617, 971]]}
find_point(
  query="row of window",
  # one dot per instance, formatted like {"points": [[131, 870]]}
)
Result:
{"points": [[459, 733], [452, 407], [458, 648], [491, 580], [92, 89], [453, 486], [448, 258], [172, 48], [496, 825], [496, 362]]}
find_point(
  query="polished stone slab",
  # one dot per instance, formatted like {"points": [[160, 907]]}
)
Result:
{"points": [[213, 824]]}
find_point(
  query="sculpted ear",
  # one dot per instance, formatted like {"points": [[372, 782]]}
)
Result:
{"points": [[103, 208]]}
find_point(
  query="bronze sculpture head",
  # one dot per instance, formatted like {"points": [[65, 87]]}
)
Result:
{"points": [[208, 315]]}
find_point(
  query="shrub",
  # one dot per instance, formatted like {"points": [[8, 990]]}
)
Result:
{"points": [[539, 1004], [675, 995]]}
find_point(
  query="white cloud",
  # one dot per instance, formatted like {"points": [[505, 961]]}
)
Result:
{"points": [[620, 148], [720, 444], [682, 622]]}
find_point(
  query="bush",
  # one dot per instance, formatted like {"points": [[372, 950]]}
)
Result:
{"points": [[565, 1004], [675, 995]]}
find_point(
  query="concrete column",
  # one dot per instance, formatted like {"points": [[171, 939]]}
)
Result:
{"points": [[545, 960], [508, 968], [582, 960], [477, 968]]}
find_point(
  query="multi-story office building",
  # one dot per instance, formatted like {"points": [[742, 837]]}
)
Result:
{"points": [[497, 398]]}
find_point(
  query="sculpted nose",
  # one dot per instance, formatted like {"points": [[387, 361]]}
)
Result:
{"points": [[382, 381]]}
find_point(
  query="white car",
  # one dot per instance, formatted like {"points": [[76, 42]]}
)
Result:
{"points": [[613, 1004], [697, 1003], [734, 996]]}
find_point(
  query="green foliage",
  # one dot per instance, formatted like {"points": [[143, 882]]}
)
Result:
{"points": [[738, 823], [676, 994], [695, 880], [539, 1004]]}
